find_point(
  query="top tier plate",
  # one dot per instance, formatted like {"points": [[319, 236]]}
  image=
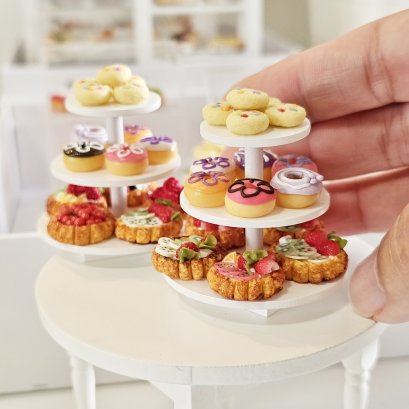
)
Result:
{"points": [[113, 110], [271, 137]]}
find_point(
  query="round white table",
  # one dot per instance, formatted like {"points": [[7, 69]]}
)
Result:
{"points": [[120, 315]]}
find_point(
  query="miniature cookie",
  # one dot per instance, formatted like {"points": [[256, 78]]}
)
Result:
{"points": [[114, 75], [273, 101], [286, 115], [216, 114], [137, 80], [247, 122], [131, 94], [247, 98], [90, 93]]}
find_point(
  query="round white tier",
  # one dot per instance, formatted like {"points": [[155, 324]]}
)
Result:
{"points": [[292, 295], [277, 218], [108, 248], [113, 110], [271, 137], [102, 178]]}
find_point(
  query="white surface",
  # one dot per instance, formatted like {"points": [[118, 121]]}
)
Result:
{"points": [[113, 110], [127, 320], [292, 295], [103, 178], [110, 247], [277, 218], [271, 137]]}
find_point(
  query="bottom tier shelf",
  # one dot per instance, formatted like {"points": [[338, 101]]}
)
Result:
{"points": [[108, 248], [292, 295]]}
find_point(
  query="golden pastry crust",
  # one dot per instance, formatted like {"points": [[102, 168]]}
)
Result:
{"points": [[188, 270], [304, 271], [54, 206], [147, 234], [81, 235], [246, 290], [137, 198]]}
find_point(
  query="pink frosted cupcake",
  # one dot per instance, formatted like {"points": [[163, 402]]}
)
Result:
{"points": [[293, 161], [126, 160]]}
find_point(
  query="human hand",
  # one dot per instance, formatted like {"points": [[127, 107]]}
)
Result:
{"points": [[356, 92]]}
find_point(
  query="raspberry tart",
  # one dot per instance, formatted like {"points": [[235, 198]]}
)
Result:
{"points": [[315, 258], [74, 194], [81, 224], [147, 225], [250, 276], [187, 258]]}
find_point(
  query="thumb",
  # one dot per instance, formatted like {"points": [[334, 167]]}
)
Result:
{"points": [[379, 287]]}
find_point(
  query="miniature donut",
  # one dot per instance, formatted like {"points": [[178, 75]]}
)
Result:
{"points": [[160, 149], [90, 133], [114, 75], [84, 156], [216, 114], [293, 161], [297, 187], [247, 99], [126, 160], [215, 164], [133, 133], [268, 160], [286, 115], [247, 122], [250, 198], [90, 93], [206, 189], [131, 94]]}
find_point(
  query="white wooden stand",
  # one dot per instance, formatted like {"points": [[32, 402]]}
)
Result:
{"points": [[83, 383]]}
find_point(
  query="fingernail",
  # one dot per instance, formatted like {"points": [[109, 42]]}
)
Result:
{"points": [[366, 293]]}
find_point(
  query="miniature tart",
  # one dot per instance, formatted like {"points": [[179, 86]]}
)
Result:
{"points": [[250, 198], [161, 149], [268, 160], [84, 156], [206, 189], [169, 191], [81, 224], [293, 161], [126, 160], [252, 276], [228, 237], [142, 226], [297, 187], [187, 258], [137, 196], [74, 195], [133, 133], [90, 133], [215, 164], [303, 263]]}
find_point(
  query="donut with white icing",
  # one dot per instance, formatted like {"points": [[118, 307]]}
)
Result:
{"points": [[84, 156], [293, 161], [269, 159], [134, 132], [215, 164], [90, 133], [297, 187], [161, 149], [126, 160]]}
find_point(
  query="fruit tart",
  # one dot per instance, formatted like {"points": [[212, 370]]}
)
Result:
{"points": [[250, 276], [138, 196], [74, 194], [147, 225], [315, 258], [228, 237], [187, 258], [271, 236], [81, 224], [170, 191]]}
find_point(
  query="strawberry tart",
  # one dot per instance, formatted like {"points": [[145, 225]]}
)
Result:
{"points": [[250, 276], [187, 258]]}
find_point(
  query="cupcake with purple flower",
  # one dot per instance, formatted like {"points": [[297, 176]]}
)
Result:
{"points": [[161, 149]]}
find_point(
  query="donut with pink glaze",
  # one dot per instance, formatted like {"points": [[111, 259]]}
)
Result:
{"points": [[293, 161], [126, 160], [250, 198]]}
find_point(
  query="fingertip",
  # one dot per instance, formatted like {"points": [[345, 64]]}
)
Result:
{"points": [[365, 290]]}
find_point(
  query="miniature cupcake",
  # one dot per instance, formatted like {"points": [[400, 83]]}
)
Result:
{"points": [[126, 160], [133, 133], [160, 149], [215, 164], [84, 156], [268, 160]]}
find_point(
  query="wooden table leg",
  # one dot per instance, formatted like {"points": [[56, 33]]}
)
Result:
{"points": [[83, 383], [358, 375]]}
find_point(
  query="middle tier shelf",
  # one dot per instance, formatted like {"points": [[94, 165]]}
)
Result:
{"points": [[103, 178], [277, 218]]}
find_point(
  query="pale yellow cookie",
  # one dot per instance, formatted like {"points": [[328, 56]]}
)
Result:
{"points": [[137, 79], [273, 101], [114, 75], [286, 115], [247, 99], [216, 114], [247, 122], [90, 93], [131, 94]]}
